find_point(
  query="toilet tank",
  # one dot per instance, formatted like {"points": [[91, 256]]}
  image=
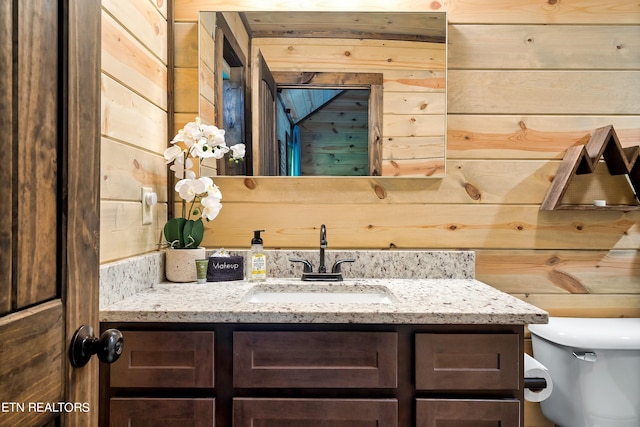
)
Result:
{"points": [[595, 368]]}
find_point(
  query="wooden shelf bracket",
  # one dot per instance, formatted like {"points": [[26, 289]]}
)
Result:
{"points": [[583, 159]]}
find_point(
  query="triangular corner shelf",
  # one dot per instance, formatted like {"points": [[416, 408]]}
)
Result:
{"points": [[583, 159]]}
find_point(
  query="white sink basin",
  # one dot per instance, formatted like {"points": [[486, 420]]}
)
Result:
{"points": [[319, 294]]}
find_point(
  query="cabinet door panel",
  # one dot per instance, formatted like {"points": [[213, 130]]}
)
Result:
{"points": [[315, 359], [142, 412], [165, 359], [466, 413], [467, 361], [315, 412]]}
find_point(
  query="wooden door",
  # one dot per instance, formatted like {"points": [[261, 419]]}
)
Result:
{"points": [[49, 208], [265, 148]]}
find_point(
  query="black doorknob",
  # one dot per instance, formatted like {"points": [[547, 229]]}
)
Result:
{"points": [[84, 345]]}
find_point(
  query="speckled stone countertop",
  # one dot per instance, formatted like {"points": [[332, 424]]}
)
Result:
{"points": [[414, 301], [124, 278]]}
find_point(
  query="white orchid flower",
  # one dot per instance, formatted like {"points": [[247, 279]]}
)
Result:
{"points": [[238, 151], [218, 138], [173, 153], [210, 207], [179, 137], [214, 135], [182, 169], [191, 133], [209, 131], [211, 189], [202, 149], [184, 189], [189, 188], [220, 150]]}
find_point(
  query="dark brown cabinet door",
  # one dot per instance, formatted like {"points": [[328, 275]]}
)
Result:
{"points": [[315, 412], [467, 413], [315, 359], [467, 361], [165, 360], [143, 412]]}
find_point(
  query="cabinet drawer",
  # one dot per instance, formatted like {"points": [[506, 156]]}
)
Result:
{"points": [[467, 361], [165, 359], [465, 413], [315, 412], [127, 412], [315, 359]]}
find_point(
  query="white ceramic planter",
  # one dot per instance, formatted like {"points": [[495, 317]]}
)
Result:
{"points": [[180, 264]]}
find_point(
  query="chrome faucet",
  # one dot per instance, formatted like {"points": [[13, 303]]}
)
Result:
{"points": [[336, 270]]}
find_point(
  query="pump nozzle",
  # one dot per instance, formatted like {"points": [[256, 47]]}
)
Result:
{"points": [[257, 240]]}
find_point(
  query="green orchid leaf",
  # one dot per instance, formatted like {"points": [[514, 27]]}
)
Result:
{"points": [[186, 234], [193, 233], [173, 232], [197, 232]]}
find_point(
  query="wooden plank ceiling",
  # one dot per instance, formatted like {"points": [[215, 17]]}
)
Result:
{"points": [[427, 27]]}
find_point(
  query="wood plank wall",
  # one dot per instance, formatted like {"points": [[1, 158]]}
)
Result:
{"points": [[134, 124], [526, 80]]}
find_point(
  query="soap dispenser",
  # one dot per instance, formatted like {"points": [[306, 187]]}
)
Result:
{"points": [[257, 261]]}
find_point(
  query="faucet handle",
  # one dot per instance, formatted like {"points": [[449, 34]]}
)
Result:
{"points": [[308, 268], [337, 266]]}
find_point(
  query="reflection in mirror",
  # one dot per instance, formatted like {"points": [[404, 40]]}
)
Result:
{"points": [[233, 101], [328, 93], [327, 124], [324, 131]]}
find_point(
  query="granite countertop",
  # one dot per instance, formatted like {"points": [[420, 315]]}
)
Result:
{"points": [[415, 301]]}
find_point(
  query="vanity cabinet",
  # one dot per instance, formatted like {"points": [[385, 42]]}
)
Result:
{"points": [[344, 375]]}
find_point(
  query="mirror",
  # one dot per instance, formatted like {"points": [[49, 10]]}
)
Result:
{"points": [[327, 93]]}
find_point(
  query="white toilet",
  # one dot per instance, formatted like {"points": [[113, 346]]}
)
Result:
{"points": [[595, 368]]}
